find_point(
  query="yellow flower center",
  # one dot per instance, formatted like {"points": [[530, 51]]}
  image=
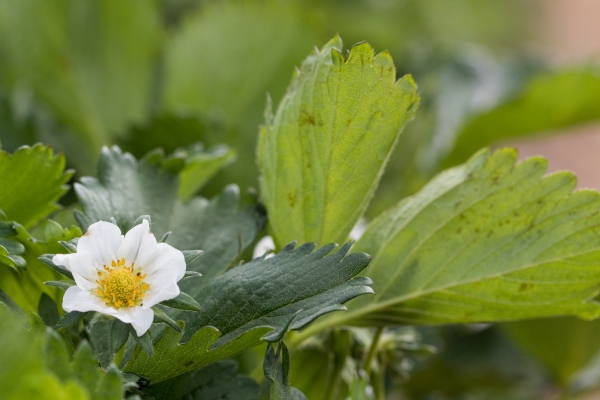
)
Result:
{"points": [[121, 285]]}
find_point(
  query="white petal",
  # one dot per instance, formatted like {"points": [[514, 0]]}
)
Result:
{"points": [[76, 299], [140, 318], [160, 291], [101, 241], [81, 266], [138, 243], [166, 258]]}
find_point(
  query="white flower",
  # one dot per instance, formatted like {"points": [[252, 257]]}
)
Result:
{"points": [[122, 276]]}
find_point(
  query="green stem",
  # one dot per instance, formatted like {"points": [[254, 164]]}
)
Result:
{"points": [[373, 350]]}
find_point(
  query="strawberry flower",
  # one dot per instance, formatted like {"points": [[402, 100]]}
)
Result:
{"points": [[122, 276]]}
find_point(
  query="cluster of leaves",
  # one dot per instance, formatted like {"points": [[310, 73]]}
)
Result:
{"points": [[490, 240]]}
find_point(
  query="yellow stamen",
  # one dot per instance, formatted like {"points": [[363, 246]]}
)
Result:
{"points": [[120, 286]]}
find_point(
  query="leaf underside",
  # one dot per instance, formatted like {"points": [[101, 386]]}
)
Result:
{"points": [[490, 240]]}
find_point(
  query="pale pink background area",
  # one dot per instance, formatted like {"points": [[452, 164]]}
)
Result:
{"points": [[568, 32]]}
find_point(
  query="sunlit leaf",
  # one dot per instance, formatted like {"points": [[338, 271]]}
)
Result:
{"points": [[322, 154], [491, 240]]}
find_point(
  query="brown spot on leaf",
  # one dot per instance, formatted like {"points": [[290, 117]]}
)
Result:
{"points": [[292, 199], [306, 119]]}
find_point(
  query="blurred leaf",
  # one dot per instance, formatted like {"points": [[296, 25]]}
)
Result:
{"points": [[277, 369], [486, 241], [324, 151], [230, 77], [216, 381], [178, 135], [479, 363], [38, 367], [90, 62], [41, 183], [168, 131], [540, 108], [253, 302], [563, 345]]}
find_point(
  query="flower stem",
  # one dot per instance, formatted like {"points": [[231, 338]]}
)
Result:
{"points": [[373, 350]]}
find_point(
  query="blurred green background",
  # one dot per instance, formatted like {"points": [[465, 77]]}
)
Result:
{"points": [[142, 74]]}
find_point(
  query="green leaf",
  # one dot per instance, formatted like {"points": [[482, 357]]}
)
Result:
{"points": [[56, 356], [323, 152], [161, 317], [47, 310], [490, 240], [571, 346], [182, 302], [201, 166], [127, 189], [94, 91], [144, 341], [41, 183], [26, 286], [191, 255], [216, 381], [257, 301], [62, 285], [85, 367], [70, 319], [539, 109], [99, 329], [111, 384], [47, 259], [277, 369]]}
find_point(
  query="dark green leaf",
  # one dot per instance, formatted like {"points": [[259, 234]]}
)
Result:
{"points": [[47, 259], [191, 255], [62, 285], [70, 319], [70, 247], [161, 317], [191, 274], [183, 302], [254, 302], [216, 381], [144, 341], [100, 329], [119, 333], [47, 310], [290, 289], [277, 369]]}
